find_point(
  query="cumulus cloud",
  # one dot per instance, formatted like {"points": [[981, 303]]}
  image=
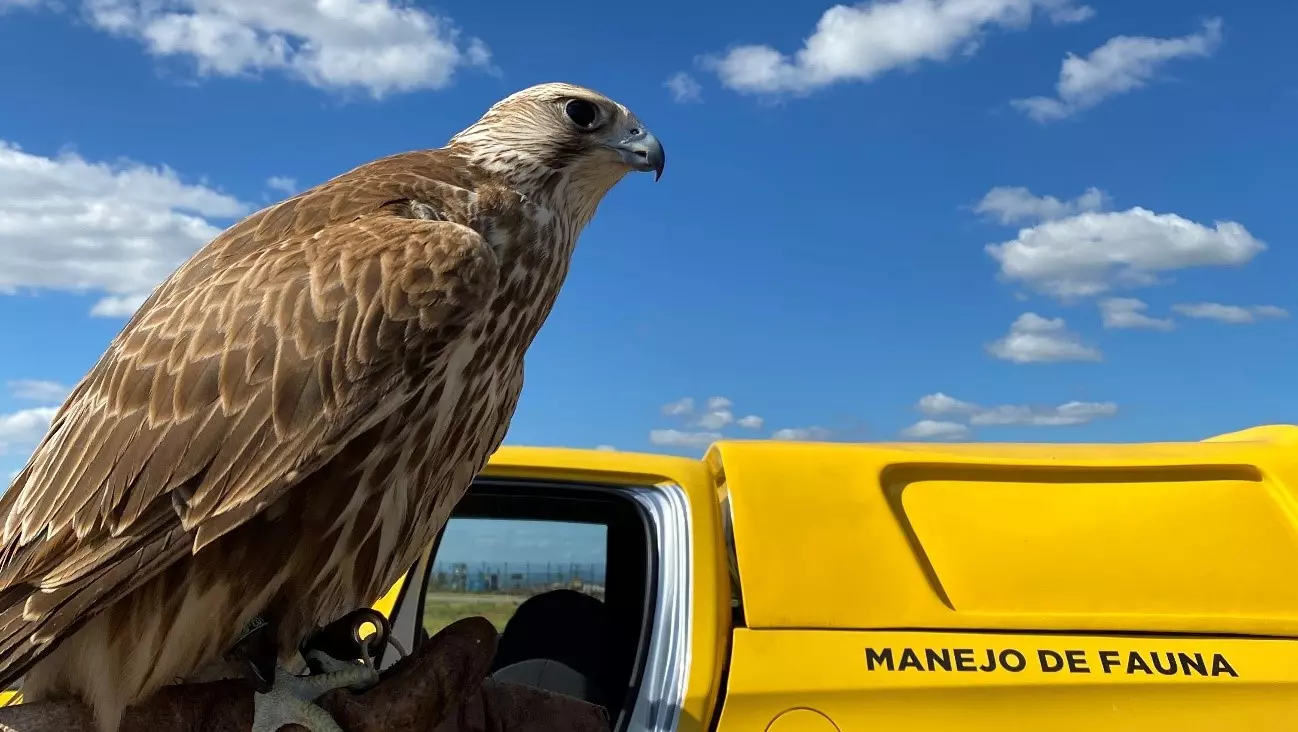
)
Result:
{"points": [[1128, 312], [1015, 204], [679, 408], [1121, 65], [683, 438], [945, 413], [283, 184], [117, 229], [797, 434], [716, 419], [1234, 314], [36, 390], [716, 415], [1092, 252], [860, 42], [701, 427], [378, 46], [1034, 339], [118, 306], [7, 5], [1069, 413], [940, 404], [684, 88], [24, 428], [933, 429]]}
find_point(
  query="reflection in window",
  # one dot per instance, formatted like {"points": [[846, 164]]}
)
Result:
{"points": [[488, 567]]}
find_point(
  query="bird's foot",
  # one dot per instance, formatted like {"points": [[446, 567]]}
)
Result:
{"points": [[291, 699]]}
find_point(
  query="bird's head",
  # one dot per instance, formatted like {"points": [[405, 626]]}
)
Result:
{"points": [[561, 137]]}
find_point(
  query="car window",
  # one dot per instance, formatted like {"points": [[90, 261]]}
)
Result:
{"points": [[488, 566]]}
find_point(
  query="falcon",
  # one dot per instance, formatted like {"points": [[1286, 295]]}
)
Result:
{"points": [[290, 417]]}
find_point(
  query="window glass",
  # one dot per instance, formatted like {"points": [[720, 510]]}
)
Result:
{"points": [[488, 566]]}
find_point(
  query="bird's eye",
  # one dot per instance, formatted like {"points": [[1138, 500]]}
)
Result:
{"points": [[582, 113]]}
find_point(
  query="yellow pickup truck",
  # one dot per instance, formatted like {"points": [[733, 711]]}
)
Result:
{"points": [[800, 587]]}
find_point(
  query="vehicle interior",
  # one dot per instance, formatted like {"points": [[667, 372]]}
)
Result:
{"points": [[566, 627]]}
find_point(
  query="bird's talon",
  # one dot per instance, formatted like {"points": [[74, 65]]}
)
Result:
{"points": [[292, 698]]}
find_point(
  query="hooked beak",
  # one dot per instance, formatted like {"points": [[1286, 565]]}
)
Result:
{"points": [[641, 150]]}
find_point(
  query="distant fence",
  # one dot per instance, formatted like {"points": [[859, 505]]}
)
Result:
{"points": [[515, 578]]}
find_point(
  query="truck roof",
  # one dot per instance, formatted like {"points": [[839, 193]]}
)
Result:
{"points": [[1193, 537]]}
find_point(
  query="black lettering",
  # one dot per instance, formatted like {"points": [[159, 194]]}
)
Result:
{"points": [[1109, 659], [880, 658], [1196, 663], [964, 660], [991, 661], [935, 659], [1050, 661], [1220, 665], [909, 659], [1136, 663], [1012, 660], [1171, 664], [1077, 662]]}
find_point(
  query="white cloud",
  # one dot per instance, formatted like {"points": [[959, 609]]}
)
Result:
{"points": [[802, 434], [118, 306], [1091, 252], [1034, 339], [281, 183], [119, 229], [679, 408], [716, 419], [719, 402], [1128, 312], [1234, 314], [707, 424], [684, 88], [1013, 204], [380, 46], [606, 448], [1122, 64], [718, 414], [682, 438], [941, 405], [6, 5], [1070, 413], [931, 429], [24, 428], [37, 390], [860, 42]]}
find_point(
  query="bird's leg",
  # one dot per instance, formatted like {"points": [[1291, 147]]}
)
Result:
{"points": [[255, 653], [282, 698], [291, 699]]}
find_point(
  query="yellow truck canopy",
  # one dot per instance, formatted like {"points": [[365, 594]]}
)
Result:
{"points": [[1161, 537]]}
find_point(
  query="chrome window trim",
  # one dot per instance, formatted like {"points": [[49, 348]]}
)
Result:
{"points": [[667, 664], [406, 622]]}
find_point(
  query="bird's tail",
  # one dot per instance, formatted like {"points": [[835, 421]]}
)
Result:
{"points": [[53, 586]]}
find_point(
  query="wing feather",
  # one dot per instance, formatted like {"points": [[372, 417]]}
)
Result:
{"points": [[255, 363]]}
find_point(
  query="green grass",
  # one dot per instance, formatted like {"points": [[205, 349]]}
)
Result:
{"points": [[443, 608]]}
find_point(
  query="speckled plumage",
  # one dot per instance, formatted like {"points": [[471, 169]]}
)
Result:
{"points": [[290, 417]]}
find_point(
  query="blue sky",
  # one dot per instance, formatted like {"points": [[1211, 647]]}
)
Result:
{"points": [[529, 545], [915, 227]]}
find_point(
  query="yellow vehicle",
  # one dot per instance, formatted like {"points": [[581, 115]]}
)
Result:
{"points": [[800, 587]]}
